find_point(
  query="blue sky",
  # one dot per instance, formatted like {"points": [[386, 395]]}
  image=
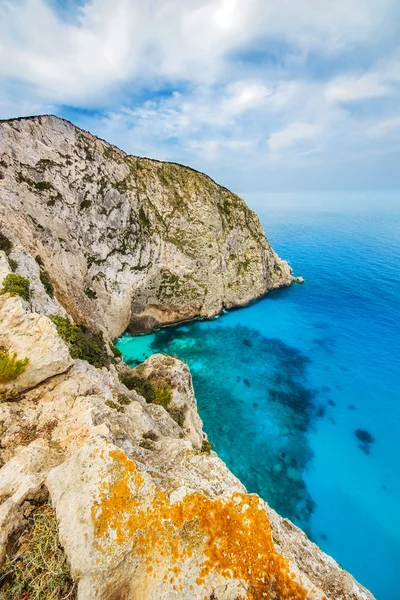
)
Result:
{"points": [[263, 95]]}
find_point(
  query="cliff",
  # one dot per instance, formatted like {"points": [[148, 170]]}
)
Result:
{"points": [[129, 242], [109, 489]]}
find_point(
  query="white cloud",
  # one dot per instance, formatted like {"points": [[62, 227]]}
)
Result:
{"points": [[295, 134], [242, 73], [112, 43], [350, 89], [385, 127]]}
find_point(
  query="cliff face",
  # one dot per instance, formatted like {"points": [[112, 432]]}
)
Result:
{"points": [[129, 242], [144, 509]]}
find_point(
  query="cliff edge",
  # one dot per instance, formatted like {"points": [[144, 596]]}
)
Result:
{"points": [[129, 242]]}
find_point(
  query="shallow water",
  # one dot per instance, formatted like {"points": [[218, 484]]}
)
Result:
{"points": [[299, 392]]}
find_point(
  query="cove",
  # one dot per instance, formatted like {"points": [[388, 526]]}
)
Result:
{"points": [[299, 391]]}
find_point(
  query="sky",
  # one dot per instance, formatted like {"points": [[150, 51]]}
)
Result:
{"points": [[263, 95]]}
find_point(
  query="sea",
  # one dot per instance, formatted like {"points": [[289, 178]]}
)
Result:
{"points": [[299, 392]]}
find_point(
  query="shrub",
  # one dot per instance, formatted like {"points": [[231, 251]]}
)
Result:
{"points": [[163, 396], [82, 344], [13, 264], [5, 244], [141, 385], [37, 567], [124, 400], [206, 447], [91, 294], [11, 367], [16, 285], [48, 286], [117, 353], [114, 405]]}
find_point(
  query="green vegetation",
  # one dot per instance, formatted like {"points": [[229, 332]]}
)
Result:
{"points": [[141, 385], [90, 293], [5, 244], [11, 367], [13, 264], [117, 353], [85, 204], [48, 286], [157, 391], [114, 405], [163, 396], [206, 447], [178, 414], [124, 400], [82, 344], [16, 285], [37, 568]]}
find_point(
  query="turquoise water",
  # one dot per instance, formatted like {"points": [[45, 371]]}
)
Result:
{"points": [[300, 391]]}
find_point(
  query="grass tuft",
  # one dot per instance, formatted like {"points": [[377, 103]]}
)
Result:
{"points": [[37, 568], [11, 367]]}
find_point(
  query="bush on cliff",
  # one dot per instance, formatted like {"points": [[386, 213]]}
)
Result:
{"points": [[16, 285], [154, 392], [82, 344], [11, 367]]}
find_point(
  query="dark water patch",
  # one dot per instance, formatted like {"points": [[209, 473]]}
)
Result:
{"points": [[351, 407], [364, 436], [260, 429], [331, 403], [325, 343]]}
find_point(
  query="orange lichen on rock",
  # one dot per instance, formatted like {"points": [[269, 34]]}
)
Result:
{"points": [[233, 535]]}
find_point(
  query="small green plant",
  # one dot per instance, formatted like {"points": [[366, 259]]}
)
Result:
{"points": [[141, 385], [206, 447], [16, 285], [37, 568], [13, 264], [178, 413], [48, 286], [117, 353], [91, 294], [114, 405], [5, 244], [150, 435], [82, 344], [124, 400], [11, 367], [163, 396]]}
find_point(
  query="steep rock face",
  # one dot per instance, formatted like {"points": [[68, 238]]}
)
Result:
{"points": [[143, 513], [127, 241]]}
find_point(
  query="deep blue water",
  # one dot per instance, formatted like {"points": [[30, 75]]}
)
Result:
{"points": [[284, 385]]}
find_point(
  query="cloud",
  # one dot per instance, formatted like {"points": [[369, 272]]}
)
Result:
{"points": [[350, 89], [240, 89], [385, 127], [295, 134]]}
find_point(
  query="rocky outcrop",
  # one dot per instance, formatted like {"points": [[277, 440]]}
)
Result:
{"points": [[143, 512], [127, 241]]}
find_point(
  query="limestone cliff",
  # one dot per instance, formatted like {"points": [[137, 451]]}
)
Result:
{"points": [[128, 242], [145, 510]]}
